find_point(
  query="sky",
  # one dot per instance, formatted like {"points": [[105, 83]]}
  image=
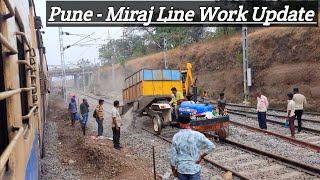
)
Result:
{"points": [[74, 53]]}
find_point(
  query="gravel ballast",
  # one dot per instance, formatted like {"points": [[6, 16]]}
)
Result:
{"points": [[271, 143], [51, 167]]}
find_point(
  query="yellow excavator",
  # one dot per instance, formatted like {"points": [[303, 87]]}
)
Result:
{"points": [[188, 83]]}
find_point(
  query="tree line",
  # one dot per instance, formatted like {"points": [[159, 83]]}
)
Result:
{"points": [[140, 41]]}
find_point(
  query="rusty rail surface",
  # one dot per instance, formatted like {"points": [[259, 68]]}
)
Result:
{"points": [[96, 98], [272, 109], [308, 145], [310, 169], [281, 123], [205, 159]]}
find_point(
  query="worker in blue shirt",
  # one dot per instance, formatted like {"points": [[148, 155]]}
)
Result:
{"points": [[185, 151]]}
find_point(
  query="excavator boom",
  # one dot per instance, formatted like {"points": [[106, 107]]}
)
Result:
{"points": [[188, 81]]}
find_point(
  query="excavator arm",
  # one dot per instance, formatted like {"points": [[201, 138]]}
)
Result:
{"points": [[188, 81]]}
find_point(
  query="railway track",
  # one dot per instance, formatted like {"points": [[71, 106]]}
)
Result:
{"points": [[301, 138], [309, 137], [249, 163], [93, 97], [271, 109], [276, 116], [245, 113]]}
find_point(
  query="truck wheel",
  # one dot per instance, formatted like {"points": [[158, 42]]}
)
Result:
{"points": [[222, 133], [157, 124]]}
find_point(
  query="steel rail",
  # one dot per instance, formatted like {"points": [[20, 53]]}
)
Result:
{"points": [[241, 176], [96, 98], [272, 109], [30, 113], [308, 145], [307, 168], [281, 123], [279, 116], [7, 152]]}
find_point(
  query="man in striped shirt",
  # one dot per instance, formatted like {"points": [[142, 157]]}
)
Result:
{"points": [[100, 117]]}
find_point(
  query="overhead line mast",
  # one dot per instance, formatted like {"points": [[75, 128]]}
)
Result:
{"points": [[62, 63]]}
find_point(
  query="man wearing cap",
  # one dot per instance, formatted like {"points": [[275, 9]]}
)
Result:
{"points": [[100, 117], [72, 110], [185, 151], [84, 110]]}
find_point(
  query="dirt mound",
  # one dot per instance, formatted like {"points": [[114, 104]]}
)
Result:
{"points": [[280, 58], [95, 159]]}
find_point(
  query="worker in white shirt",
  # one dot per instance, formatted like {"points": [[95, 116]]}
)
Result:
{"points": [[262, 106], [300, 101], [290, 114], [116, 123]]}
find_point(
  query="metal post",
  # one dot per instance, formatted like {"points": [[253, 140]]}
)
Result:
{"points": [[62, 63], [245, 63], [154, 164], [83, 79], [94, 80], [112, 72], [165, 52]]}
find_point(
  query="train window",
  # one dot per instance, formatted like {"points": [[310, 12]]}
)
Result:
{"points": [[23, 78], [4, 138]]}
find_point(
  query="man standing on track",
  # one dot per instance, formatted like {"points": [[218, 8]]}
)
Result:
{"points": [[290, 112], [116, 123], [222, 104], [185, 151], [99, 118], [72, 110], [84, 110], [300, 101], [262, 106]]}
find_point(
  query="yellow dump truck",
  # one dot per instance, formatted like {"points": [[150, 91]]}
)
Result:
{"points": [[148, 92], [154, 83]]}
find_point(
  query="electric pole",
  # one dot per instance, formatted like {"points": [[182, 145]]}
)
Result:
{"points": [[165, 52], [62, 64], [246, 70]]}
